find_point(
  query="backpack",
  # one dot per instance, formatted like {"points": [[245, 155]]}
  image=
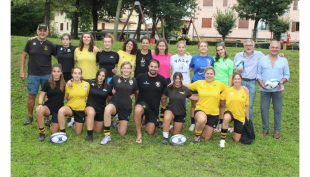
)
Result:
{"points": [[248, 134]]}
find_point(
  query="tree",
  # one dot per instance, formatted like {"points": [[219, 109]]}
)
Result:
{"points": [[119, 5], [225, 21], [279, 26], [261, 10]]}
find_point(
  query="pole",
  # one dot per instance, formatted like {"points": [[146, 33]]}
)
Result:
{"points": [[127, 24]]}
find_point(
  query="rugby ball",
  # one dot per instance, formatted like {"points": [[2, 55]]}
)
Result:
{"points": [[58, 138], [239, 65], [178, 139], [271, 84]]}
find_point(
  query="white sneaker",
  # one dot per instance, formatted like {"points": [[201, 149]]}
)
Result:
{"points": [[222, 143], [170, 127], [231, 130], [70, 124], [192, 127]]}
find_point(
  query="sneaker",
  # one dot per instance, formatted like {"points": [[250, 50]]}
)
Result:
{"points": [[160, 125], [218, 129], [165, 141], [29, 120], [171, 126], [41, 137], [90, 138], [70, 124], [47, 121], [106, 139], [196, 140], [192, 127], [222, 143], [231, 130]]}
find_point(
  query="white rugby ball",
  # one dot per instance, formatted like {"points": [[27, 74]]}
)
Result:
{"points": [[58, 138], [271, 84], [239, 65], [178, 139]]}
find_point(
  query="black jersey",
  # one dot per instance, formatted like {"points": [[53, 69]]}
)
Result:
{"points": [[55, 96], [124, 88], [107, 60], [97, 96], [151, 90], [65, 57], [184, 30], [40, 56], [142, 62], [177, 97]]}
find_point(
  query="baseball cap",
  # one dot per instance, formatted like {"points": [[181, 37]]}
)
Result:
{"points": [[42, 25]]}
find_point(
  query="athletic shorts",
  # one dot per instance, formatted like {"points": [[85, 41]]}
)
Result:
{"points": [[54, 115], [177, 118], [194, 92], [67, 76], [34, 83], [238, 126], [211, 119], [99, 114], [122, 113], [150, 116], [79, 116]]}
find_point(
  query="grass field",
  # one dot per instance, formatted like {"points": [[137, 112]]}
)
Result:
{"points": [[266, 156]]}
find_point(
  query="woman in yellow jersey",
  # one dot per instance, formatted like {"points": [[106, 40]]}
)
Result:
{"points": [[207, 108], [85, 58], [237, 109], [76, 96], [128, 53]]}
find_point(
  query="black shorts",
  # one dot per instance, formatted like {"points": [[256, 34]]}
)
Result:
{"points": [[150, 116], [54, 115], [238, 126], [211, 119], [177, 118], [99, 113], [67, 76], [122, 113], [79, 116], [194, 92]]}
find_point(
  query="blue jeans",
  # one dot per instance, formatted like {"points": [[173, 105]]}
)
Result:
{"points": [[277, 100], [251, 85], [34, 83]]}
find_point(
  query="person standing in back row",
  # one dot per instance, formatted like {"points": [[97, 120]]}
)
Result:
{"points": [[40, 52]]}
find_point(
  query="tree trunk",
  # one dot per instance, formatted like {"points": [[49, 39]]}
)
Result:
{"points": [[47, 16], [139, 27], [224, 37], [95, 15], [118, 10], [76, 21], [255, 29]]}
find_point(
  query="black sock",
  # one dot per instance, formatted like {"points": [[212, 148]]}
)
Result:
{"points": [[221, 121], [63, 130], [223, 133], [89, 132], [106, 131], [192, 120]]}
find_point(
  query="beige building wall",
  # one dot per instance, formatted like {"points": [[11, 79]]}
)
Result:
{"points": [[240, 32]]}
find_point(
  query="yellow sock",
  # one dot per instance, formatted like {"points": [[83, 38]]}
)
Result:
{"points": [[198, 133]]}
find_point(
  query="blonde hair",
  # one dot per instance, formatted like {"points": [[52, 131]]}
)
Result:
{"points": [[181, 42], [123, 64], [109, 36]]}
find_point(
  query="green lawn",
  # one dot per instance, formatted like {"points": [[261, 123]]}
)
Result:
{"points": [[266, 156]]}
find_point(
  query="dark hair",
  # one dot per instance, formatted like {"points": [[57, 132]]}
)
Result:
{"points": [[91, 44], [105, 82], [109, 35], [217, 56], [145, 37], [157, 43], [234, 75], [69, 37], [79, 69], [135, 46], [62, 82], [154, 61], [174, 78]]}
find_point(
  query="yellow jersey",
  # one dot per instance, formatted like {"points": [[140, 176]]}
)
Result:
{"points": [[124, 56], [77, 95], [87, 62]]}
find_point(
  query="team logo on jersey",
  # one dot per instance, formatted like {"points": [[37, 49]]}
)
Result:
{"points": [[197, 59], [104, 90], [85, 87], [34, 43], [142, 62], [111, 56], [231, 93], [183, 93], [45, 47], [68, 50], [93, 84], [130, 82], [143, 106], [208, 61], [226, 64], [202, 84], [90, 53], [166, 59], [61, 48], [146, 82], [118, 81], [157, 84]]}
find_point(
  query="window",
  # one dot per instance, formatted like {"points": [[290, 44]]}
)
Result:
{"points": [[61, 26], [102, 26], [243, 23], [295, 26], [262, 25], [207, 2], [296, 5], [67, 25], [225, 3], [206, 22]]}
